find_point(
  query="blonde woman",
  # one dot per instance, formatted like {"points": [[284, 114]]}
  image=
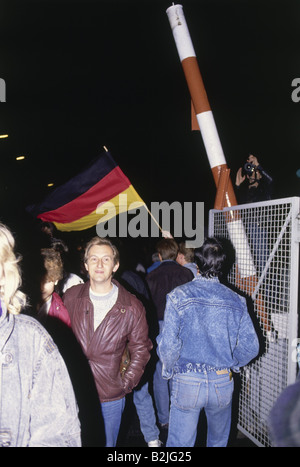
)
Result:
{"points": [[37, 401]]}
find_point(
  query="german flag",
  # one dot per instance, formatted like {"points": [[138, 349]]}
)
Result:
{"points": [[88, 197]]}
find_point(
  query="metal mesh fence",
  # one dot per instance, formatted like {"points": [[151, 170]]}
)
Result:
{"points": [[265, 240]]}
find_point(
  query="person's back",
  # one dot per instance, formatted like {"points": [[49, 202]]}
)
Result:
{"points": [[168, 275], [207, 333], [162, 280], [213, 319]]}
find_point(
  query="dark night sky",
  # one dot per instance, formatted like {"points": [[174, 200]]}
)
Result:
{"points": [[83, 74]]}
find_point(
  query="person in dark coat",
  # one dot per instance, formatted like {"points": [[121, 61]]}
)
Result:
{"points": [[162, 280]]}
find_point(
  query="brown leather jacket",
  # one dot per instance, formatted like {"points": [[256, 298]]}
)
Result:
{"points": [[125, 322]]}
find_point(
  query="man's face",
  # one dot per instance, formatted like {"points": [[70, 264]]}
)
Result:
{"points": [[180, 259], [255, 174], [254, 177], [100, 264]]}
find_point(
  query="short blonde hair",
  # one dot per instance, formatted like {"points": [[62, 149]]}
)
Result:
{"points": [[13, 298], [167, 248], [102, 241]]}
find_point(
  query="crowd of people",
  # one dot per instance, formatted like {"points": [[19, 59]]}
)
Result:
{"points": [[73, 350], [175, 336]]}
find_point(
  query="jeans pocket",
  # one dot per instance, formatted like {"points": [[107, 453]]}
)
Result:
{"points": [[185, 394], [224, 393]]}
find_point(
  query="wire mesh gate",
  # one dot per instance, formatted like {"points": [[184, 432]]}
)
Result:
{"points": [[265, 238]]}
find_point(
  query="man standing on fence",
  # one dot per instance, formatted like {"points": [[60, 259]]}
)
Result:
{"points": [[207, 332]]}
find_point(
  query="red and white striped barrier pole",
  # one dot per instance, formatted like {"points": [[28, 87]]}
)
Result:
{"points": [[247, 272], [199, 98]]}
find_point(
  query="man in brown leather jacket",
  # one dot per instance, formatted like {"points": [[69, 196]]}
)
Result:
{"points": [[105, 318]]}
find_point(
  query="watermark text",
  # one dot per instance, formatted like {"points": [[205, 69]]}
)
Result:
{"points": [[2, 90], [184, 220], [296, 92]]}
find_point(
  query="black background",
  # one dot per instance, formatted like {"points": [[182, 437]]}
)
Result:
{"points": [[83, 74]]}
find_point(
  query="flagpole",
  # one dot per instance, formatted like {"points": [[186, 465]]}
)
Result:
{"points": [[149, 212]]}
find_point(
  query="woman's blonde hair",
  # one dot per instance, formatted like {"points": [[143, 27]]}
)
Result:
{"points": [[13, 298]]}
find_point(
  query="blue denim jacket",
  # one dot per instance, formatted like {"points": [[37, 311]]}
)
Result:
{"points": [[37, 402], [206, 327]]}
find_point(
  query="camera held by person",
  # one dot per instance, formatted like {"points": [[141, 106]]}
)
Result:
{"points": [[253, 183], [248, 169]]}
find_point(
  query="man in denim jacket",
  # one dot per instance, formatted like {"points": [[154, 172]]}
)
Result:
{"points": [[207, 332]]}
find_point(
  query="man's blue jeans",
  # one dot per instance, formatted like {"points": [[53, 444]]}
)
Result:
{"points": [[161, 391], [112, 415], [192, 392], [144, 406]]}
